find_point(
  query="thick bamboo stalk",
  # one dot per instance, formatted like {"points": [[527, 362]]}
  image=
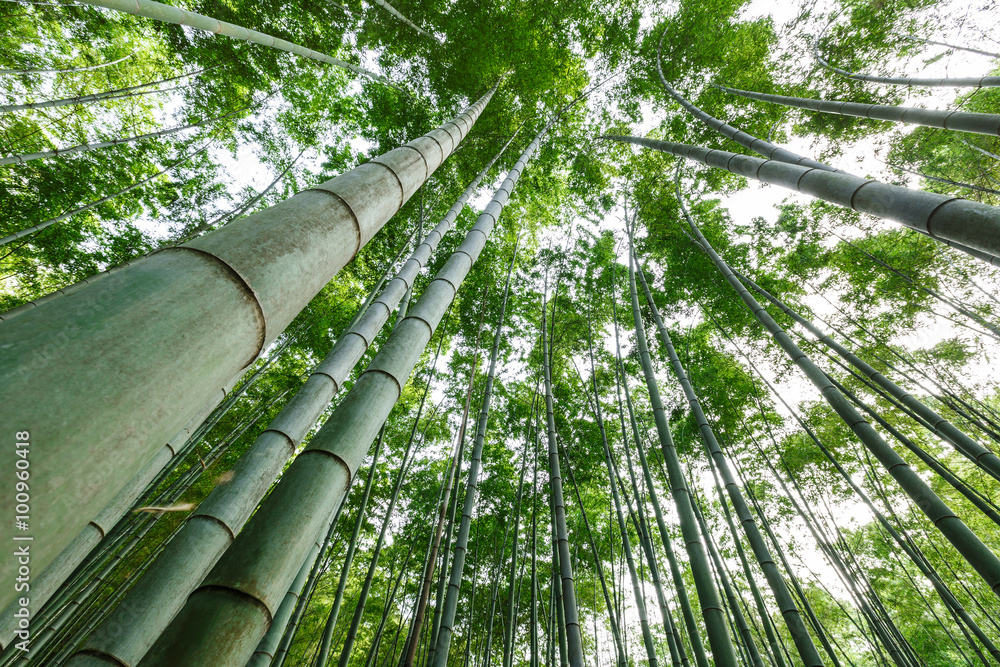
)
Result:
{"points": [[182, 321], [961, 121], [267, 650], [977, 554], [263, 558], [168, 14], [352, 546], [44, 586], [222, 515], [738, 619], [943, 217], [410, 650], [404, 465]]}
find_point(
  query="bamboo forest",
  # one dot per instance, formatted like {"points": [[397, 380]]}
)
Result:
{"points": [[522, 333]]}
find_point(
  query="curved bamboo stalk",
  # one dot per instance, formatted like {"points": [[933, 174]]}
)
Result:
{"points": [[950, 46], [229, 294], [772, 152], [161, 12], [745, 139], [69, 69], [938, 82], [118, 93], [86, 148], [961, 121], [977, 554], [965, 222]]}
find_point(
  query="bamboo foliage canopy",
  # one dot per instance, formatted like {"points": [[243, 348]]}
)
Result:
{"points": [[515, 334]]}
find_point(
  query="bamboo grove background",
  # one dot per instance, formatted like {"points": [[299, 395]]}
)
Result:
{"points": [[605, 454]]}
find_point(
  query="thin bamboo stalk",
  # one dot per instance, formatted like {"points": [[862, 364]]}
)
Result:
{"points": [[441, 650], [161, 12], [961, 121], [978, 555]]}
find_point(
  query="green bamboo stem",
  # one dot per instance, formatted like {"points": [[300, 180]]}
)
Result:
{"points": [[86, 68], [982, 457], [951, 526], [613, 619], [567, 590], [790, 613], [228, 300], [81, 209], [950, 46], [410, 651], [745, 139], [120, 141], [961, 121], [441, 650], [405, 462], [740, 621], [168, 14], [970, 224], [108, 94], [935, 82], [392, 10], [508, 638], [352, 546], [723, 651]]}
